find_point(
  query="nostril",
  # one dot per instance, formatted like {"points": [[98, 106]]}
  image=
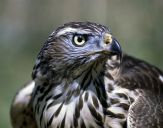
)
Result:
{"points": [[107, 38], [107, 42]]}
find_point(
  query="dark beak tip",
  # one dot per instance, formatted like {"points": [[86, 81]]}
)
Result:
{"points": [[115, 47]]}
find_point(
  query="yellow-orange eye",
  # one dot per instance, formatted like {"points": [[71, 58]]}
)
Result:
{"points": [[79, 40]]}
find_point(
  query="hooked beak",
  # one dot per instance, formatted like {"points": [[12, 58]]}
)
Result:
{"points": [[111, 45], [108, 47]]}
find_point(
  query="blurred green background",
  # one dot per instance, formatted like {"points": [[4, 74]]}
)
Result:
{"points": [[26, 24]]}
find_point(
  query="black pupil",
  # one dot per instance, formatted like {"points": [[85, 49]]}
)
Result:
{"points": [[80, 38]]}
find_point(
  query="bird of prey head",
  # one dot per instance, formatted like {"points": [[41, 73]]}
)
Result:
{"points": [[76, 46]]}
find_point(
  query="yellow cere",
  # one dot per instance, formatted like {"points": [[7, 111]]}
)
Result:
{"points": [[107, 38]]}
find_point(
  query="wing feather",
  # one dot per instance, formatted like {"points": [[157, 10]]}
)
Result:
{"points": [[21, 108]]}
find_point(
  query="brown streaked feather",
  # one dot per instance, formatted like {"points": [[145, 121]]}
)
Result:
{"points": [[147, 110]]}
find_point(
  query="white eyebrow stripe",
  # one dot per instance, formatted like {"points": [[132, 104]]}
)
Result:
{"points": [[73, 30]]}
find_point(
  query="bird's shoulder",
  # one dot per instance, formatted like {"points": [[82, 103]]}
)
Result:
{"points": [[137, 73], [21, 108]]}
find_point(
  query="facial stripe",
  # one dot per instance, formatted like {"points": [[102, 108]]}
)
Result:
{"points": [[72, 30]]}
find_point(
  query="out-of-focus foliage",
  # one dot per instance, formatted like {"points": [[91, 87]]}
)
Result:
{"points": [[25, 25]]}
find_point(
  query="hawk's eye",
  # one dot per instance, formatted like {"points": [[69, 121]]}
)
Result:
{"points": [[79, 40]]}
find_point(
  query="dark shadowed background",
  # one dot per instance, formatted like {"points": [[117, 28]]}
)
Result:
{"points": [[26, 24]]}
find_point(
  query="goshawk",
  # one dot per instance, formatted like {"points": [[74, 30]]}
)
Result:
{"points": [[82, 79]]}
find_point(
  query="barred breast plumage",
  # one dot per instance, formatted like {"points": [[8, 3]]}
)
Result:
{"points": [[81, 103]]}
